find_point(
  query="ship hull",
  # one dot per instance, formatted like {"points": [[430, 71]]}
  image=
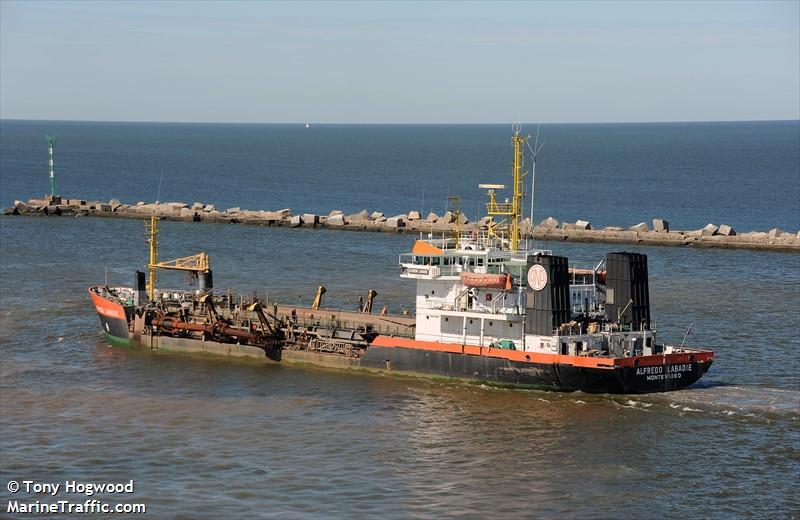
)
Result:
{"points": [[113, 319], [396, 355], [550, 375]]}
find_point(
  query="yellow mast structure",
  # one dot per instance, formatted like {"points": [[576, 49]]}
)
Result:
{"points": [[512, 210], [153, 240]]}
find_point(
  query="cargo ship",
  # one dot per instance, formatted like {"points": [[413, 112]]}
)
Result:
{"points": [[488, 308]]}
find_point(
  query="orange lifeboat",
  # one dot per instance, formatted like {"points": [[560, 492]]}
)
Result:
{"points": [[486, 281]]}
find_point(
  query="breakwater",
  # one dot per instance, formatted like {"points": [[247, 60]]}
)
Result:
{"points": [[657, 232]]}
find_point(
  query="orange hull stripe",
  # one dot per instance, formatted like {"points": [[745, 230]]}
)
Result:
{"points": [[107, 308], [538, 357]]}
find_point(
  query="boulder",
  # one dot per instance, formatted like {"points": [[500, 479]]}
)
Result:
{"points": [[233, 211], [309, 219], [549, 222], [414, 215], [186, 213], [660, 225], [641, 227], [394, 222], [177, 205], [432, 217], [209, 208], [295, 221], [20, 206], [198, 206], [709, 230], [140, 203], [726, 230], [775, 232], [336, 220], [376, 215]]}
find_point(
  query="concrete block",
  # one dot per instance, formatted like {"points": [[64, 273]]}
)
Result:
{"points": [[198, 206], [177, 205], [549, 222], [105, 208], [448, 218], [335, 213], [432, 217], [414, 215], [641, 227], [115, 205], [613, 229], [726, 230], [376, 215], [336, 220], [776, 232], [209, 208], [709, 230], [660, 225], [309, 219], [583, 224], [295, 221], [37, 203], [462, 219], [20, 206], [361, 217], [140, 203], [285, 212], [394, 222], [186, 213], [233, 211]]}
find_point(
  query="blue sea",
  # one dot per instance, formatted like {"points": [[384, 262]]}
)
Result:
{"points": [[742, 174], [210, 438]]}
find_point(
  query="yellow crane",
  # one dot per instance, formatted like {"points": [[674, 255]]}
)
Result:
{"points": [[199, 264]]}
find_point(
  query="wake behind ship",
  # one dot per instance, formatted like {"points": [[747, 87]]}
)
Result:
{"points": [[487, 308]]}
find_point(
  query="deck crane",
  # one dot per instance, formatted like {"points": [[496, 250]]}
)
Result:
{"points": [[367, 309], [318, 298], [198, 265]]}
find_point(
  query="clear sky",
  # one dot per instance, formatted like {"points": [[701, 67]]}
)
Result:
{"points": [[405, 62]]}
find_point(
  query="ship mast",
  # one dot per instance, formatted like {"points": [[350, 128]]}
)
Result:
{"points": [[512, 211], [515, 219], [152, 228]]}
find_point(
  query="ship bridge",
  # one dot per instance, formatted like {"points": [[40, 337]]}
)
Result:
{"points": [[469, 290]]}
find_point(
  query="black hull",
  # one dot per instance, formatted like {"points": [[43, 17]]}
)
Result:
{"points": [[116, 328], [563, 377]]}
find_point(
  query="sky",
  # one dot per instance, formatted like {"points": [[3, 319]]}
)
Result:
{"points": [[404, 62]]}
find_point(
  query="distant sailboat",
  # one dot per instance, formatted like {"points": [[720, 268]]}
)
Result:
{"points": [[308, 125]]}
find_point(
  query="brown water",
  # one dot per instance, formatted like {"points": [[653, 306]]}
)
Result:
{"points": [[209, 438]]}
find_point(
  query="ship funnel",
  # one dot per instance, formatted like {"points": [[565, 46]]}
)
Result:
{"points": [[627, 290], [548, 297]]}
